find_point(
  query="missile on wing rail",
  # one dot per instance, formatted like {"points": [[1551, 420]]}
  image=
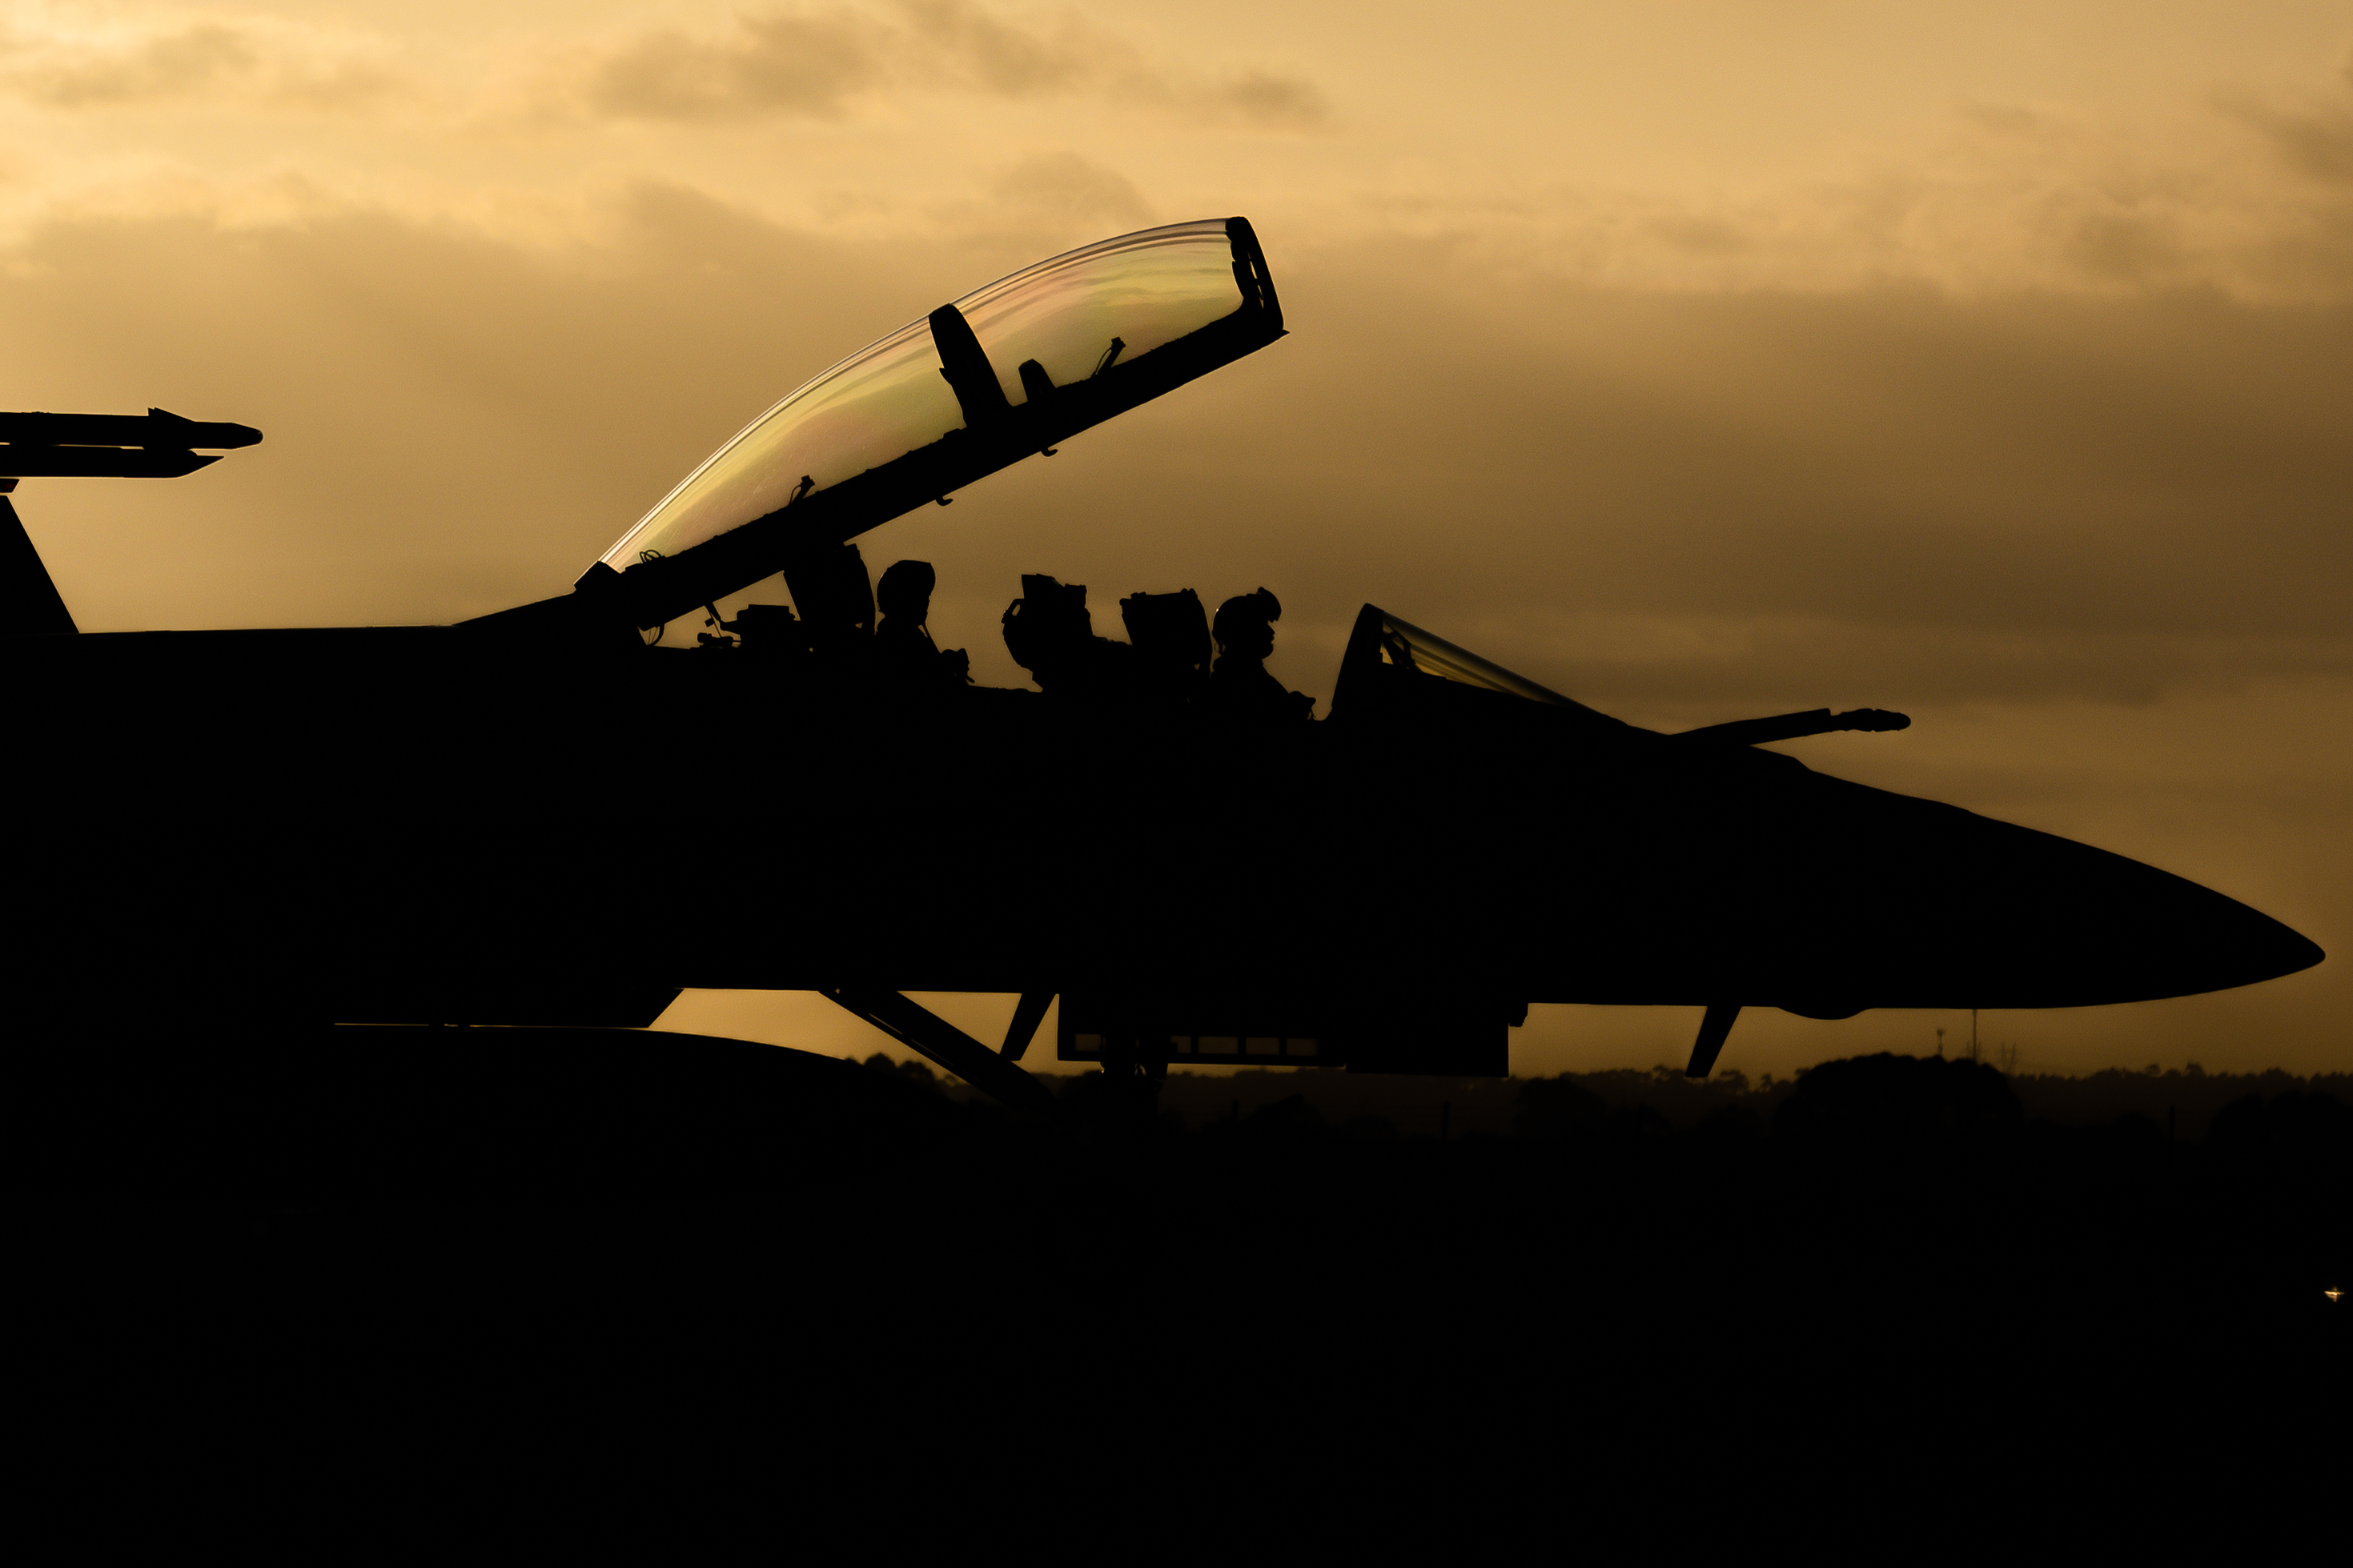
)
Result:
{"points": [[151, 446]]}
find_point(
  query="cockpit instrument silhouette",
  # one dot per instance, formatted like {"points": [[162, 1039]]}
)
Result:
{"points": [[528, 818]]}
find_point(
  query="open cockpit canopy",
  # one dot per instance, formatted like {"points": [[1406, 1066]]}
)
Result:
{"points": [[1008, 370]]}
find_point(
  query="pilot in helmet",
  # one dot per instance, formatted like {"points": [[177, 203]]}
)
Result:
{"points": [[904, 655], [1239, 686]]}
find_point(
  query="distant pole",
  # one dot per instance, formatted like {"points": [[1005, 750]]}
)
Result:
{"points": [[1973, 1034], [1940, 1042], [1445, 1116]]}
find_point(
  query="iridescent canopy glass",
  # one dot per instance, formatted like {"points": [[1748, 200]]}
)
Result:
{"points": [[1144, 289]]}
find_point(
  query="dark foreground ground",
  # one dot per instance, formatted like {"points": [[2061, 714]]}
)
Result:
{"points": [[382, 1206]]}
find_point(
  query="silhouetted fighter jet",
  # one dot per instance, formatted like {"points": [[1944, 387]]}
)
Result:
{"points": [[543, 817]]}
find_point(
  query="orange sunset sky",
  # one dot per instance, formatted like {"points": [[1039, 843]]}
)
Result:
{"points": [[1702, 358]]}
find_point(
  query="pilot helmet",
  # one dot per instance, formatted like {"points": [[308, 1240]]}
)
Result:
{"points": [[906, 589], [1047, 622], [1243, 614]]}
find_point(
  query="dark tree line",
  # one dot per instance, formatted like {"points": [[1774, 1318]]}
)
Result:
{"points": [[529, 1188]]}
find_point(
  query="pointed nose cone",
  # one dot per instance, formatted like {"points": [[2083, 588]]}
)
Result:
{"points": [[1930, 906], [2131, 932], [2053, 922], [2199, 940], [2257, 947], [2296, 952]]}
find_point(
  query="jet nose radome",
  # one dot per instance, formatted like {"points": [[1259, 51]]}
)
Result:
{"points": [[2153, 934], [1927, 905], [2253, 946], [2296, 952], [2058, 923]]}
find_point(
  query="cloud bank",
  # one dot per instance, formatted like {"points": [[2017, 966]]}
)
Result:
{"points": [[263, 62], [817, 63]]}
